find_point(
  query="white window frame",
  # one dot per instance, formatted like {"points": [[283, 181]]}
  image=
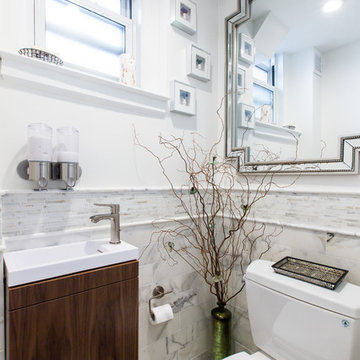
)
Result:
{"points": [[40, 26], [274, 90]]}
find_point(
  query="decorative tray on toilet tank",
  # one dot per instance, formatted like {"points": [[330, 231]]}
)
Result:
{"points": [[317, 274]]}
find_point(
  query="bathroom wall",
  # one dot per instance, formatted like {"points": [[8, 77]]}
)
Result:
{"points": [[109, 158], [113, 166], [306, 212]]}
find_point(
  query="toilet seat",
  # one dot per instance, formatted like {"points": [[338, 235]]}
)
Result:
{"points": [[245, 356], [239, 356]]}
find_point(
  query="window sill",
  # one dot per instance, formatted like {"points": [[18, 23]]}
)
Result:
{"points": [[35, 76], [276, 132]]}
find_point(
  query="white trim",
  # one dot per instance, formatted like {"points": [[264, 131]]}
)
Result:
{"points": [[98, 9], [294, 190], [302, 226], [264, 85], [278, 128], [87, 190], [104, 12], [276, 132], [36, 76]]}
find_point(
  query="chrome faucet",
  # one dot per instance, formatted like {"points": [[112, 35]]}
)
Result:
{"points": [[114, 218]]}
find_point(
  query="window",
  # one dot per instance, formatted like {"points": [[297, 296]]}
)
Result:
{"points": [[264, 90], [86, 34]]}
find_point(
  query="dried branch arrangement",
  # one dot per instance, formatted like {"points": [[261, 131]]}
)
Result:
{"points": [[218, 237]]}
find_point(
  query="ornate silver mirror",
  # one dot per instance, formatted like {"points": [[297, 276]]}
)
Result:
{"points": [[293, 84]]}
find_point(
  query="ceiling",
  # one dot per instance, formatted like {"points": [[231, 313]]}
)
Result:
{"points": [[309, 26]]}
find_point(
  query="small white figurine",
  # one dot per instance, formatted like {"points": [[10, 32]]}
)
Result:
{"points": [[266, 114], [128, 69]]}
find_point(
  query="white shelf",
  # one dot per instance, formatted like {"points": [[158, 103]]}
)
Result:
{"points": [[275, 131], [37, 76]]}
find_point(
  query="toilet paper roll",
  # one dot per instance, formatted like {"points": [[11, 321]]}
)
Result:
{"points": [[162, 314]]}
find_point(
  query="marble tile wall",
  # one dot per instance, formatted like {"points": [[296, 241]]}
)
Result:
{"points": [[187, 336], [31, 219], [42, 212], [326, 211]]}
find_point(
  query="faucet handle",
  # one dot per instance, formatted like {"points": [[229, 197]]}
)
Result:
{"points": [[115, 208]]}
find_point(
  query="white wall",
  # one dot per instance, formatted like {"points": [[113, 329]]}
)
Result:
{"points": [[108, 156], [302, 101], [340, 95]]}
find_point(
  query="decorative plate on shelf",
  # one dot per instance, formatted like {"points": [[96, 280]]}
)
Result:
{"points": [[41, 55]]}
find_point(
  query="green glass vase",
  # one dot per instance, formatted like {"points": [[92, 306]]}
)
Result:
{"points": [[221, 341]]}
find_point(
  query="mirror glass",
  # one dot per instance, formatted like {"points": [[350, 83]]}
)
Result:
{"points": [[294, 80]]}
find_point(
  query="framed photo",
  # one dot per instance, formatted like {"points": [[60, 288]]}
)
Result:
{"points": [[184, 15], [198, 63], [240, 82], [246, 49], [183, 98], [246, 116]]}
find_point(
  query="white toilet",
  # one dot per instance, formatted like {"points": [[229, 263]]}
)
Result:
{"points": [[294, 320]]}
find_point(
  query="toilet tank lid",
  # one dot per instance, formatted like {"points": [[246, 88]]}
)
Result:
{"points": [[343, 300]]}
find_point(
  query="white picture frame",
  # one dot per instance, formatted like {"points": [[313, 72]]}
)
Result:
{"points": [[184, 15], [241, 80], [246, 49], [246, 115], [198, 63], [183, 98]]}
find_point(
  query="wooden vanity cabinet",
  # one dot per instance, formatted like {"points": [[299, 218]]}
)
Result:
{"points": [[92, 315]]}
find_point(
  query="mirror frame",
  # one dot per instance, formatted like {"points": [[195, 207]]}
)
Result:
{"points": [[348, 158]]}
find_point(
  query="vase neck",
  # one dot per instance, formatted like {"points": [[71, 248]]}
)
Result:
{"points": [[220, 313]]}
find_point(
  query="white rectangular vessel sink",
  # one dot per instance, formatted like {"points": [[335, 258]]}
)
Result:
{"points": [[27, 266]]}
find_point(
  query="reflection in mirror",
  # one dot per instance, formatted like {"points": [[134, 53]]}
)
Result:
{"points": [[294, 80]]}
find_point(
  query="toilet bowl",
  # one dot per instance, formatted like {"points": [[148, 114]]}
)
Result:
{"points": [[294, 320]]}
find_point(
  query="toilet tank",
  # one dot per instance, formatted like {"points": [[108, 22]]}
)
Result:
{"points": [[293, 320]]}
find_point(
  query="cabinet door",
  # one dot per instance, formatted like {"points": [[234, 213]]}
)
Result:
{"points": [[99, 324], [111, 315]]}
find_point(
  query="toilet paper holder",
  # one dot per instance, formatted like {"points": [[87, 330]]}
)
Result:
{"points": [[158, 293]]}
